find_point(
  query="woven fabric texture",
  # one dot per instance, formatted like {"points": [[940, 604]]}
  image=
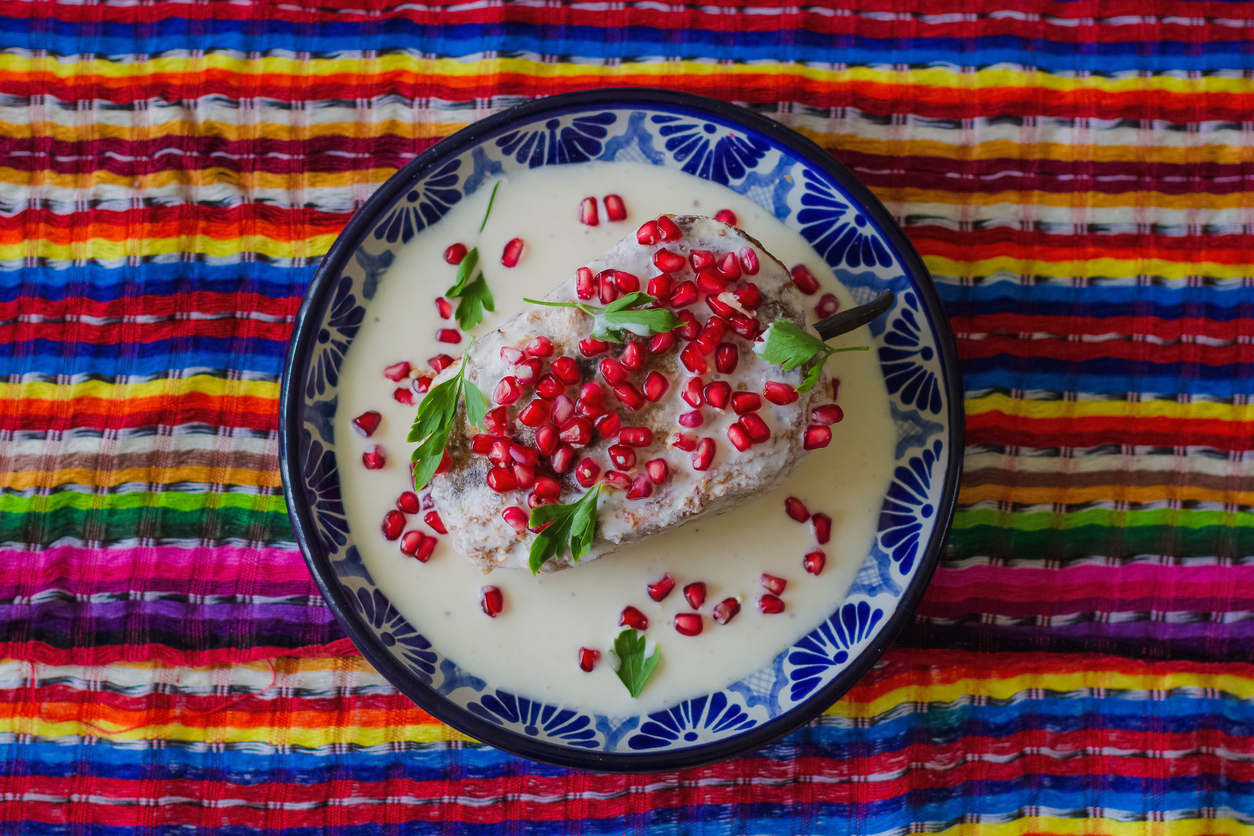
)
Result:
{"points": [[1079, 178]]}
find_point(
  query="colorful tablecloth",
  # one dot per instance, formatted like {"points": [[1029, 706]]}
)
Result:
{"points": [[1078, 176]]}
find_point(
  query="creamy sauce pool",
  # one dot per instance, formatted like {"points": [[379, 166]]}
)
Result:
{"points": [[530, 648]]}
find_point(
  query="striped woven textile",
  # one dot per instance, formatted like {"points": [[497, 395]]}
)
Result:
{"points": [[1079, 178]]}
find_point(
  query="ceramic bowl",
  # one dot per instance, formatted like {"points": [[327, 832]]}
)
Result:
{"points": [[807, 190]]}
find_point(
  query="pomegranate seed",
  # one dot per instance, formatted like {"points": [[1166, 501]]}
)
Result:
{"points": [[659, 590], [528, 371], [693, 359], [587, 472], [817, 436], [508, 391], [701, 259], [540, 347], [685, 293], [499, 454], [609, 424], [612, 370], [501, 479], [432, 518], [373, 457], [449, 335], [773, 585], [641, 488], [627, 282], [729, 266], [440, 362], [491, 601], [648, 234], [756, 428], [667, 229], [411, 541], [743, 402], [739, 437], [591, 347], [726, 357], [617, 479], [444, 306], [534, 414], [688, 624], [585, 283], [822, 528], [425, 549], [691, 392], [710, 281], [717, 394], [796, 509], [578, 433], [446, 461], [636, 436], [512, 252], [398, 371], [615, 209], [770, 605], [393, 524], [745, 326], [404, 396], [725, 610], [455, 253], [804, 280], [588, 659], [664, 341], [827, 415], [524, 475], [695, 593], [566, 370], [367, 422], [633, 356], [683, 441], [497, 421], [588, 212], [523, 454], [549, 387], [592, 394], [691, 420], [660, 286], [655, 386], [512, 356], [779, 393], [409, 503], [633, 618], [534, 500], [704, 457], [622, 456], [657, 469], [563, 459], [563, 411], [516, 518], [814, 561], [630, 396], [420, 385], [749, 297], [547, 487], [714, 331], [827, 306], [667, 261], [607, 287], [690, 327], [726, 216], [748, 262], [546, 439]]}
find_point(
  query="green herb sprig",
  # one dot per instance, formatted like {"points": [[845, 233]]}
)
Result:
{"points": [[623, 314], [434, 420], [789, 346], [573, 529], [634, 667], [473, 291]]}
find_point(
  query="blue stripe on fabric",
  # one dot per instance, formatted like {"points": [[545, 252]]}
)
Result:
{"points": [[1214, 302], [114, 38], [144, 359], [103, 284]]}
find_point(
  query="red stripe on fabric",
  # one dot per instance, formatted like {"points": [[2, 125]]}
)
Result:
{"points": [[176, 304], [237, 412], [1122, 349], [996, 427], [1062, 325], [43, 653]]}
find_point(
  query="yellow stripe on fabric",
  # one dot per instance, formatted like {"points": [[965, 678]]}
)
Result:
{"points": [[1090, 267], [202, 384], [104, 249], [453, 68], [199, 177], [205, 477], [1021, 408], [225, 130]]}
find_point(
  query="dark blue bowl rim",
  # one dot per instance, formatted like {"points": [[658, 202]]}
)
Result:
{"points": [[291, 410]]}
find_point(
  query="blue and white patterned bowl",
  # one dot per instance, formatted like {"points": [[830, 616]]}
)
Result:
{"points": [[805, 189]]}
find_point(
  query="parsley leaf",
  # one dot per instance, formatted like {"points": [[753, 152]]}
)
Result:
{"points": [[789, 346], [573, 528], [634, 669], [621, 315], [434, 421], [475, 295]]}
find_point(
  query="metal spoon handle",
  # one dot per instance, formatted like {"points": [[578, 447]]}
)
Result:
{"points": [[846, 321]]}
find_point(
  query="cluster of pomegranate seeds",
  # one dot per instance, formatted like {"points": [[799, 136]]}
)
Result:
{"points": [[418, 545], [491, 601], [367, 422], [615, 210], [512, 253]]}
